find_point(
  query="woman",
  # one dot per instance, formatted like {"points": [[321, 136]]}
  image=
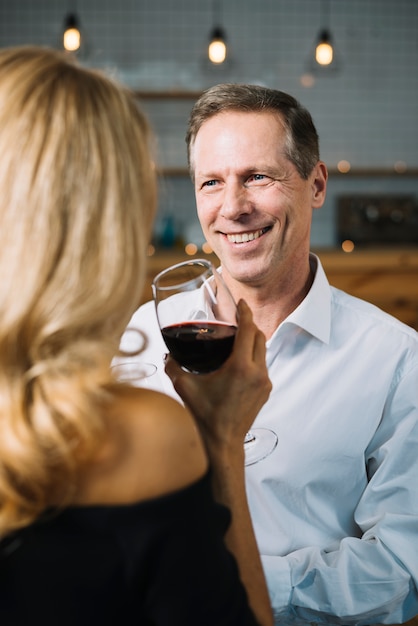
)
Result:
{"points": [[112, 505]]}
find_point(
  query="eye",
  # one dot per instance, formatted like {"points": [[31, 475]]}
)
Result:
{"points": [[209, 186], [258, 178]]}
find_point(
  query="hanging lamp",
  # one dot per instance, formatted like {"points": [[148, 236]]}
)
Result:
{"points": [[217, 50], [324, 50], [71, 38]]}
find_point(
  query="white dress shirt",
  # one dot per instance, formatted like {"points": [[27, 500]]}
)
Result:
{"points": [[335, 506]]}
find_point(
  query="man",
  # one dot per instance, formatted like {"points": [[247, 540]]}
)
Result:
{"points": [[335, 505]]}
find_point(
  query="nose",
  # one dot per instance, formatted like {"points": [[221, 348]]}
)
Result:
{"points": [[235, 202]]}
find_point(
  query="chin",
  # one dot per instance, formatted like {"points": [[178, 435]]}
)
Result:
{"points": [[246, 271]]}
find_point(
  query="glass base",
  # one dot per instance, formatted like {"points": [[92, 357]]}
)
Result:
{"points": [[258, 444]]}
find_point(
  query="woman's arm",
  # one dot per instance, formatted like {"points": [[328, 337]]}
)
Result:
{"points": [[224, 404]]}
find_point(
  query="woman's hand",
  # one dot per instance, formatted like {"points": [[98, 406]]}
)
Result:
{"points": [[226, 402]]}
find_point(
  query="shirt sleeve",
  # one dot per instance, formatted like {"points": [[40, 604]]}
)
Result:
{"points": [[372, 579]]}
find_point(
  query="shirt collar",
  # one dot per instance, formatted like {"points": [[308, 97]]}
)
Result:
{"points": [[312, 315], [202, 306], [314, 312]]}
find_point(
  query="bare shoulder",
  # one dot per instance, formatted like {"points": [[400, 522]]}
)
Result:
{"points": [[154, 449]]}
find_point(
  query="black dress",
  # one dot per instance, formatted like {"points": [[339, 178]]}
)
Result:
{"points": [[159, 562]]}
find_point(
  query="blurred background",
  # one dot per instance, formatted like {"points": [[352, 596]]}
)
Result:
{"points": [[364, 103]]}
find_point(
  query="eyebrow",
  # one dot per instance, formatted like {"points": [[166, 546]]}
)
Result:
{"points": [[247, 170]]}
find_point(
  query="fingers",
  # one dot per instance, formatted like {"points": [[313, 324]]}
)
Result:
{"points": [[186, 384], [250, 341], [173, 371], [259, 351]]}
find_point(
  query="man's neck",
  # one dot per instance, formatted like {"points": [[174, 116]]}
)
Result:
{"points": [[273, 303]]}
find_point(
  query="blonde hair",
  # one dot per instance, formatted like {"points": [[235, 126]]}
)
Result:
{"points": [[76, 207]]}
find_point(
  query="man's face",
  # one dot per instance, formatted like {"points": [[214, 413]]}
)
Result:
{"points": [[254, 208]]}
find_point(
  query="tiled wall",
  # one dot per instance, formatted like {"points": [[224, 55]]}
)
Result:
{"points": [[366, 112]]}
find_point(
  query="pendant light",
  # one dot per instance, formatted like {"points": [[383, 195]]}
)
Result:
{"points": [[324, 50], [217, 49], [71, 38]]}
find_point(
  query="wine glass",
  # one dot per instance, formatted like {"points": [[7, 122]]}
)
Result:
{"points": [[258, 444], [197, 316], [137, 373]]}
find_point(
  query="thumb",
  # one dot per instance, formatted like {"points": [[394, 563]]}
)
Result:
{"points": [[174, 371]]}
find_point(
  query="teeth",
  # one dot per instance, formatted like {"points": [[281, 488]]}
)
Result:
{"points": [[244, 237]]}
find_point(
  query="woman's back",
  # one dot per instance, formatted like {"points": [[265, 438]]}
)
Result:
{"points": [[142, 544], [152, 448]]}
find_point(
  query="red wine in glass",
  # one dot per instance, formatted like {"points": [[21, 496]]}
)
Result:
{"points": [[196, 313], [200, 346]]}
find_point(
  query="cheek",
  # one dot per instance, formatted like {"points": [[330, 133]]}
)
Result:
{"points": [[205, 212], [272, 199], [202, 217]]}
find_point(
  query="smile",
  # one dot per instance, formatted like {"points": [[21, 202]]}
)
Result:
{"points": [[244, 237]]}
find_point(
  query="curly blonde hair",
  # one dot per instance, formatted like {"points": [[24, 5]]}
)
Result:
{"points": [[76, 208]]}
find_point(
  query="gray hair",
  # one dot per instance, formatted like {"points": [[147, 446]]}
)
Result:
{"points": [[302, 145]]}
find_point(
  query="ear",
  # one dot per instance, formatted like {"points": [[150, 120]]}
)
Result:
{"points": [[319, 184]]}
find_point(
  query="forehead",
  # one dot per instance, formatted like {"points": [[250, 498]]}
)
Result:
{"points": [[231, 134], [231, 119]]}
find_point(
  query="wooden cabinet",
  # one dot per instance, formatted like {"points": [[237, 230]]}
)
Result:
{"points": [[385, 277]]}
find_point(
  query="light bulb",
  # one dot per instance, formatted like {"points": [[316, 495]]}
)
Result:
{"points": [[324, 53], [217, 51], [72, 39]]}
